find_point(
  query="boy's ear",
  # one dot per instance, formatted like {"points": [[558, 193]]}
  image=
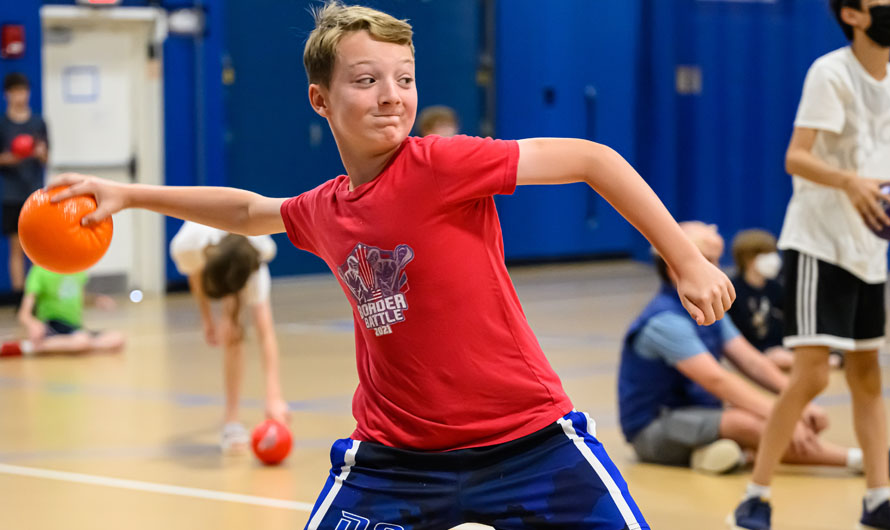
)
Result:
{"points": [[318, 99], [851, 16]]}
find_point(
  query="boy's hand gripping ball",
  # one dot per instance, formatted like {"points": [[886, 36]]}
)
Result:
{"points": [[52, 236], [271, 441]]}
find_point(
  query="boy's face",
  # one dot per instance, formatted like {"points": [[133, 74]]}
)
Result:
{"points": [[18, 96], [371, 102]]}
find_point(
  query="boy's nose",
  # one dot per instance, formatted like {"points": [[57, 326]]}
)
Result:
{"points": [[389, 94]]}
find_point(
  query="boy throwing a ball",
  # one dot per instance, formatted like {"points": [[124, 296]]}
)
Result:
{"points": [[460, 416]]}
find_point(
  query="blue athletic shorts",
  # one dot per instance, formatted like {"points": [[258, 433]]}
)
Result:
{"points": [[557, 478]]}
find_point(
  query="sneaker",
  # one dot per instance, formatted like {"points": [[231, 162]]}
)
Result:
{"points": [[717, 457], [752, 514], [234, 439], [878, 519]]}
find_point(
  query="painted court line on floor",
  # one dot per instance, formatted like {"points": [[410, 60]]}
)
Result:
{"points": [[166, 489]]}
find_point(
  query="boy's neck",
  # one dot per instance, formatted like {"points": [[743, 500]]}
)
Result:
{"points": [[754, 278], [872, 57], [18, 114], [363, 168]]}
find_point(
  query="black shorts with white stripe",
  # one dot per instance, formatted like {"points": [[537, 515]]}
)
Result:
{"points": [[825, 305]]}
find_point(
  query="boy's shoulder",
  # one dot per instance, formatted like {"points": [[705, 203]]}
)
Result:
{"points": [[834, 61]]}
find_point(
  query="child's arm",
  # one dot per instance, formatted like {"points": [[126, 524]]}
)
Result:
{"points": [[36, 329], [751, 362], [729, 387], [754, 364], [704, 290], [207, 321], [864, 193], [230, 209], [41, 152], [732, 389], [8, 159], [276, 407], [101, 301]]}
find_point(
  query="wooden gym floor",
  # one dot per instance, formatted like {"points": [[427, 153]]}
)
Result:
{"points": [[129, 440]]}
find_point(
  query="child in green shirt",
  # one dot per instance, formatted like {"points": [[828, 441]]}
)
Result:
{"points": [[52, 314]]}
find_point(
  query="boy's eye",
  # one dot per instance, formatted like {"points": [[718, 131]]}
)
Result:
{"points": [[365, 81], [406, 80]]}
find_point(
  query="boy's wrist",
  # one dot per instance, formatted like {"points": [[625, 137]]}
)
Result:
{"points": [[845, 179], [688, 262], [127, 198]]}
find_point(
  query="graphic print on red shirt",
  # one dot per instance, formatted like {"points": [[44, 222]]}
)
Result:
{"points": [[451, 362], [377, 280]]}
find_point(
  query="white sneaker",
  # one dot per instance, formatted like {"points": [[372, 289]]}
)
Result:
{"points": [[717, 457], [234, 438]]}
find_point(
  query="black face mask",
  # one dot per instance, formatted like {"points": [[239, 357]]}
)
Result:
{"points": [[879, 31]]}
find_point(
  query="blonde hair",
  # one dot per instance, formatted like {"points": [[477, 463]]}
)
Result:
{"points": [[335, 20], [747, 244], [435, 115]]}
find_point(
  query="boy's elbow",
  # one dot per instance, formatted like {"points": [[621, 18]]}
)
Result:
{"points": [[792, 165], [715, 383], [599, 156]]}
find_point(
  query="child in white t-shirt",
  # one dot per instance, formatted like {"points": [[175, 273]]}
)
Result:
{"points": [[834, 266], [233, 269]]}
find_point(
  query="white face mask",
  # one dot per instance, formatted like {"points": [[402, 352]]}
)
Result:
{"points": [[768, 265]]}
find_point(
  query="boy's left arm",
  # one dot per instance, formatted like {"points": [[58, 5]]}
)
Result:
{"points": [[704, 290]]}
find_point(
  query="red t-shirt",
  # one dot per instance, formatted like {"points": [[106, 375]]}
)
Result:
{"points": [[446, 358]]}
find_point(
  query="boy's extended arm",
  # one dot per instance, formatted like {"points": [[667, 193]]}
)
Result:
{"points": [[230, 209], [704, 290], [864, 193]]}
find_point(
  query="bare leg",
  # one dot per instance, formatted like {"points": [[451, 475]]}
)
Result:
{"points": [[16, 263], [809, 376], [746, 429], [77, 342], [110, 341], [869, 420]]}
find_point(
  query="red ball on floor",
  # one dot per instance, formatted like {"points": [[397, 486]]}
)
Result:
{"points": [[271, 442]]}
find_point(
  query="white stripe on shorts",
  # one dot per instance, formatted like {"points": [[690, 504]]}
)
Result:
{"points": [[807, 284], [814, 290], [798, 298], [629, 517], [349, 461]]}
